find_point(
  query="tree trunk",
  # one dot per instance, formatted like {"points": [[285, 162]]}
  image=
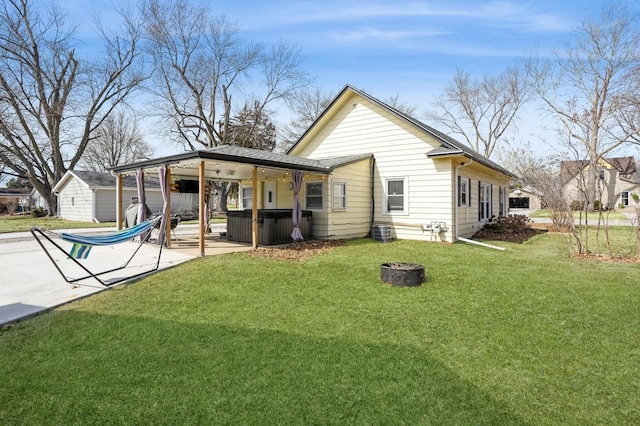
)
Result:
{"points": [[52, 204]]}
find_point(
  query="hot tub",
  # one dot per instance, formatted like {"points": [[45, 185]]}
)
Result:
{"points": [[274, 226]]}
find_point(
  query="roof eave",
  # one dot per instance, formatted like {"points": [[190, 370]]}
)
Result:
{"points": [[213, 155]]}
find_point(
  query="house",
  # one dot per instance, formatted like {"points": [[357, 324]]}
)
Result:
{"points": [[617, 180], [420, 182], [13, 200], [90, 196], [364, 165], [525, 197]]}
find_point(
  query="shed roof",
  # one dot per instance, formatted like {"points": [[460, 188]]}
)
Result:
{"points": [[104, 180]]}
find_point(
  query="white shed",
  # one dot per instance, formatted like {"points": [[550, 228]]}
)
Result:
{"points": [[91, 196]]}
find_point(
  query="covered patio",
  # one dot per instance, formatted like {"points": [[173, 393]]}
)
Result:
{"points": [[223, 163]]}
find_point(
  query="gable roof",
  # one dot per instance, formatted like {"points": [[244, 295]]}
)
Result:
{"points": [[448, 145], [104, 180], [624, 165]]}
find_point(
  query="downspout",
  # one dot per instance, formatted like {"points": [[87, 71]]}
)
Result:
{"points": [[94, 206], [455, 209], [373, 199]]}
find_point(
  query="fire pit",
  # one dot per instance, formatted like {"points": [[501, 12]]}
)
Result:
{"points": [[402, 274]]}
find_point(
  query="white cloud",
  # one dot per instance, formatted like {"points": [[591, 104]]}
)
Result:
{"points": [[375, 34]]}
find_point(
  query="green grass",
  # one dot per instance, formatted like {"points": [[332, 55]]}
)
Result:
{"points": [[526, 336], [24, 223], [592, 216]]}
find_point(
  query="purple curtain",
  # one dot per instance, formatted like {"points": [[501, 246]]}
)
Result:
{"points": [[164, 188], [142, 202], [297, 209]]}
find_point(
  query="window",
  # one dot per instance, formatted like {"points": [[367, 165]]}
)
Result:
{"points": [[339, 196], [485, 201], [602, 174], [463, 191], [624, 198], [247, 197], [395, 199], [313, 195], [502, 196], [73, 201]]}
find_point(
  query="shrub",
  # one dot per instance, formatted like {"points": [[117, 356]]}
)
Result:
{"points": [[39, 212]]}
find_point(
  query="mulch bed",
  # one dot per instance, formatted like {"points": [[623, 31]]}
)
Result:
{"points": [[295, 252], [512, 229]]}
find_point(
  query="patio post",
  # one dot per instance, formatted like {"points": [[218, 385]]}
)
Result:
{"points": [[119, 220], [167, 231], [201, 178], [254, 207]]}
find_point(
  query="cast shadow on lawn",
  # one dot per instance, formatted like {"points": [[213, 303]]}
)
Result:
{"points": [[100, 368]]}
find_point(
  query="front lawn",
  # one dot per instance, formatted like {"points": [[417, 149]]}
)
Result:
{"points": [[524, 336], [591, 216], [24, 223]]}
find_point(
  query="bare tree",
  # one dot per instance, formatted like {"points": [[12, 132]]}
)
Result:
{"points": [[117, 141], [306, 106], [51, 99], [591, 88], [205, 69], [252, 128], [481, 110], [206, 72], [395, 102]]}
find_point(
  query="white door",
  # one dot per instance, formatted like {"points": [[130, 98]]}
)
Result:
{"points": [[269, 195]]}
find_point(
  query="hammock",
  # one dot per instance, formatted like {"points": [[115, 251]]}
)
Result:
{"points": [[82, 245]]}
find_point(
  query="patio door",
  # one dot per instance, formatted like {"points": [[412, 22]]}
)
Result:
{"points": [[269, 195]]}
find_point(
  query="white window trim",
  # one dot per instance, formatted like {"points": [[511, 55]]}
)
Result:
{"points": [[483, 201], [467, 191], [628, 198], [242, 197], [405, 189], [335, 185], [322, 196]]}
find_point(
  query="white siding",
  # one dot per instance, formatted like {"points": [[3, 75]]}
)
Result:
{"points": [[400, 152], [469, 216], [75, 201], [355, 220]]}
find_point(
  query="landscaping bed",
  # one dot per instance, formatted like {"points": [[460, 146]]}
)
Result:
{"points": [[297, 251]]}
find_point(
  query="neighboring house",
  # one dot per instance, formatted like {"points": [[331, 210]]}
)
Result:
{"points": [[91, 196], [364, 163], [426, 185], [37, 200], [617, 179], [15, 200], [525, 197]]}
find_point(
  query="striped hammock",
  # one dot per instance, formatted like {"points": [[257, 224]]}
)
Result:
{"points": [[82, 243]]}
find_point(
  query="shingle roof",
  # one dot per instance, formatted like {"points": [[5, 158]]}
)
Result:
{"points": [[235, 154], [625, 165], [106, 180]]}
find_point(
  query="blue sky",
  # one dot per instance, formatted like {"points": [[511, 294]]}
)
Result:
{"points": [[405, 48], [410, 48]]}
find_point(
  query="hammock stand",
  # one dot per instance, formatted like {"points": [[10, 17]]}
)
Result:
{"points": [[82, 245]]}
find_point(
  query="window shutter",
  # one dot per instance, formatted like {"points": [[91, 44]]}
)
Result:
{"points": [[479, 201], [459, 180], [490, 200]]}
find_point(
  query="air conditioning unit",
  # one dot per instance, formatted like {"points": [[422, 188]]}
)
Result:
{"points": [[381, 233]]}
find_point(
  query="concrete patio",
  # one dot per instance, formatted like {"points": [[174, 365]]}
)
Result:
{"points": [[30, 283]]}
